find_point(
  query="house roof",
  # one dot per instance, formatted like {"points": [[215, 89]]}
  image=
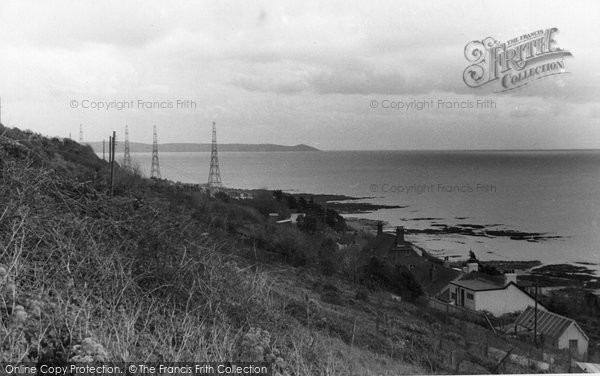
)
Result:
{"points": [[548, 323], [480, 284], [477, 284], [589, 367], [442, 276], [383, 243], [497, 279]]}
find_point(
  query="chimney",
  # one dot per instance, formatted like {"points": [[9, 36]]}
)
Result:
{"points": [[510, 276], [472, 267], [432, 273], [379, 228], [400, 235]]}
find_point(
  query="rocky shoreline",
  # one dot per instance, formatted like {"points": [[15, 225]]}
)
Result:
{"points": [[531, 271], [345, 204]]}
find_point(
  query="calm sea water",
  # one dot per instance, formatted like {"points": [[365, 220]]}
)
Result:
{"points": [[554, 192]]}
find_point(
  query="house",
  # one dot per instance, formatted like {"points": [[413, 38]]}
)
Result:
{"points": [[428, 271], [481, 292], [556, 330], [394, 249]]}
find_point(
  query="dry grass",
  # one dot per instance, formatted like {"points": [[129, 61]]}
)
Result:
{"points": [[87, 277]]}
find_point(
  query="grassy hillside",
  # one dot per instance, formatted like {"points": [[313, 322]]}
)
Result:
{"points": [[156, 274]]}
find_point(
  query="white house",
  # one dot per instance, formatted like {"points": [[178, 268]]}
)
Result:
{"points": [[556, 330], [482, 294]]}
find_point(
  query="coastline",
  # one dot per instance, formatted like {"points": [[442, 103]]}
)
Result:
{"points": [[549, 276]]}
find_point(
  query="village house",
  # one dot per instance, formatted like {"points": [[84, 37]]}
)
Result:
{"points": [[394, 249], [495, 294], [428, 271], [555, 330]]}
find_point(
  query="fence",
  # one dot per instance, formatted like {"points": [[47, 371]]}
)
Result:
{"points": [[455, 310]]}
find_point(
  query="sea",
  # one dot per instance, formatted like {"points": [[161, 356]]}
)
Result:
{"points": [[555, 193]]}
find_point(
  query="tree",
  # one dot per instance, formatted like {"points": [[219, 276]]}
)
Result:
{"points": [[307, 223], [278, 195], [291, 202], [302, 203]]}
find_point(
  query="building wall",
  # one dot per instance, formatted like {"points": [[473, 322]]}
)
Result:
{"points": [[468, 303], [470, 297], [573, 333], [499, 302]]}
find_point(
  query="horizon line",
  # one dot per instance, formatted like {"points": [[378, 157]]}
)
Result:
{"points": [[316, 147]]}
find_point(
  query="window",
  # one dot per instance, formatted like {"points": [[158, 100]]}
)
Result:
{"points": [[573, 345], [454, 296], [470, 296]]}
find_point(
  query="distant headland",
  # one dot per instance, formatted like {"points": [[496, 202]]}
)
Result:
{"points": [[138, 147]]}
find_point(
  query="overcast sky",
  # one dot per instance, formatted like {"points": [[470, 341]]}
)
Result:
{"points": [[291, 72]]}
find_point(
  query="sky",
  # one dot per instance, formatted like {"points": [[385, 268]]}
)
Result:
{"points": [[322, 73]]}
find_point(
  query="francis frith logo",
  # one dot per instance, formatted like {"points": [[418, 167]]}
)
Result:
{"points": [[514, 63]]}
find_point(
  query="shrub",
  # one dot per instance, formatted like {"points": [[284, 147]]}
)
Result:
{"points": [[332, 297], [398, 279], [362, 294]]}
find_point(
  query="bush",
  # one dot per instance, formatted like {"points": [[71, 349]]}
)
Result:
{"points": [[293, 246], [328, 257], [362, 294], [379, 274], [332, 297]]}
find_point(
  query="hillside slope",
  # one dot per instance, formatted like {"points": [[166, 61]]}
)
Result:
{"points": [[153, 274]]}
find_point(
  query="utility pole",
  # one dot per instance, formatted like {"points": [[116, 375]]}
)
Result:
{"points": [[103, 149], [126, 156], [155, 169], [110, 159], [535, 320], [214, 174], [111, 156]]}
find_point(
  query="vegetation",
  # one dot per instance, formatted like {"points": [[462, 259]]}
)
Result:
{"points": [[156, 274], [397, 279], [482, 266], [316, 217]]}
